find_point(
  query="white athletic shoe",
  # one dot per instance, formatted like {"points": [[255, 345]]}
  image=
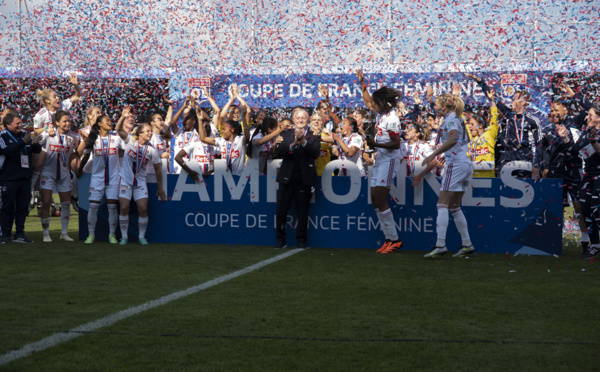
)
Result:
{"points": [[66, 238], [47, 238], [437, 251], [464, 250]]}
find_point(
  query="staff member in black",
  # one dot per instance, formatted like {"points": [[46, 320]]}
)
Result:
{"points": [[297, 176], [16, 148]]}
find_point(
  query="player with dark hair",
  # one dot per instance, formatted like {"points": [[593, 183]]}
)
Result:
{"points": [[105, 144], [387, 141]]}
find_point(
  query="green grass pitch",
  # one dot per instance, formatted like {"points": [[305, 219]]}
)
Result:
{"points": [[317, 310]]}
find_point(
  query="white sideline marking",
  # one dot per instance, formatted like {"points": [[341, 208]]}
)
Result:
{"points": [[60, 337]]}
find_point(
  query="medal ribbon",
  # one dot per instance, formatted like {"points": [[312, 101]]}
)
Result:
{"points": [[138, 162], [105, 147]]}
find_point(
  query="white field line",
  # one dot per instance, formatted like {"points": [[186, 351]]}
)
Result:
{"points": [[60, 337]]}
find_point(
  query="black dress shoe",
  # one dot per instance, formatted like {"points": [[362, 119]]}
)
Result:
{"points": [[280, 245], [301, 245]]}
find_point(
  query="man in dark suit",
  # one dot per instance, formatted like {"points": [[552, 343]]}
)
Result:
{"points": [[297, 176]]}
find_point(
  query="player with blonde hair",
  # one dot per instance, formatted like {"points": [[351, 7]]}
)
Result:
{"points": [[453, 142]]}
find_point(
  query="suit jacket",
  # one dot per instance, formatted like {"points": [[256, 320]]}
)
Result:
{"points": [[302, 157]]}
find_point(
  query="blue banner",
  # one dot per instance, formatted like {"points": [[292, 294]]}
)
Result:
{"points": [[345, 91], [505, 215]]}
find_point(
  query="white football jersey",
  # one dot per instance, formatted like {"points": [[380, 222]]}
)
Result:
{"points": [[388, 125], [161, 145], [261, 154], [105, 163], [233, 153], [353, 140], [135, 160], [203, 153], [58, 149], [183, 139], [413, 156], [44, 116], [458, 153]]}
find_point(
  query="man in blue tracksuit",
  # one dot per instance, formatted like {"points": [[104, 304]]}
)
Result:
{"points": [[16, 148]]}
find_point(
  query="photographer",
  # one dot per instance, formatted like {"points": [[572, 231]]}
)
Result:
{"points": [[16, 148]]}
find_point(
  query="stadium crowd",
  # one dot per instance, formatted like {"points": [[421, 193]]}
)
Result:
{"points": [[435, 134]]}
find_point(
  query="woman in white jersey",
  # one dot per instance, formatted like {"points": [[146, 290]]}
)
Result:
{"points": [[457, 174], [138, 153], [105, 144], [49, 99], [387, 142], [415, 150], [260, 146], [231, 145], [188, 134], [161, 137], [59, 154], [200, 152], [350, 145]]}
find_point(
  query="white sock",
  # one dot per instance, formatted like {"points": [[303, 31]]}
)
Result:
{"points": [[389, 227], [113, 218], [461, 225], [92, 218], [46, 225], [124, 223], [441, 225], [142, 226], [65, 215], [381, 223]]}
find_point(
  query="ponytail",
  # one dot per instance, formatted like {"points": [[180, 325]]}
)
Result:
{"points": [[452, 103], [94, 132]]}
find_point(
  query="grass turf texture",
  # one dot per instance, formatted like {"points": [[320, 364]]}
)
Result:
{"points": [[321, 309]]}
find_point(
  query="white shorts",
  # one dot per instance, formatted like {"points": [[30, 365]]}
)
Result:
{"points": [[97, 192], [457, 177], [62, 185], [384, 172], [138, 192]]}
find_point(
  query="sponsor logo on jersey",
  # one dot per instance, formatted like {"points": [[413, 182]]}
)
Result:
{"points": [[234, 154], [132, 155], [482, 151], [201, 158], [59, 148], [111, 151]]}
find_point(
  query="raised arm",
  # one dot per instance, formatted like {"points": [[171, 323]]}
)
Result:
{"points": [[169, 116], [215, 107], [201, 132], [73, 80], [366, 96], [246, 114], [225, 110], [486, 89], [120, 130], [332, 115], [188, 102]]}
